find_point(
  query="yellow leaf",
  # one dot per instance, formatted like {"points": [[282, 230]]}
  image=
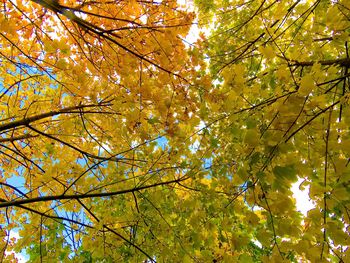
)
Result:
{"points": [[282, 73], [341, 193], [268, 52], [252, 219], [307, 85], [252, 138]]}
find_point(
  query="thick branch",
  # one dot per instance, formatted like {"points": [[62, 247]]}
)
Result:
{"points": [[5, 203], [343, 62], [26, 121], [87, 154], [17, 138]]}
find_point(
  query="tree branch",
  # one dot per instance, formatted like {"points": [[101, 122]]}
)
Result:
{"points": [[5, 203], [26, 121], [344, 62]]}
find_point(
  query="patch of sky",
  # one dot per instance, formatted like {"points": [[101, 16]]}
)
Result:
{"points": [[207, 163], [22, 256], [162, 142], [17, 181], [301, 195], [68, 229]]}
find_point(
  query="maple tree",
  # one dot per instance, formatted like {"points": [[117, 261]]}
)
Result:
{"points": [[119, 143], [88, 90], [282, 69]]}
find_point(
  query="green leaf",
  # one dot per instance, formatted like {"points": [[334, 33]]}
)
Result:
{"points": [[285, 173]]}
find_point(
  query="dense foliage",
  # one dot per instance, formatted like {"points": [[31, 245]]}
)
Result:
{"points": [[120, 142], [283, 69]]}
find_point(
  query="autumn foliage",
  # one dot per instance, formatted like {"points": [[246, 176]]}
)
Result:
{"points": [[122, 142]]}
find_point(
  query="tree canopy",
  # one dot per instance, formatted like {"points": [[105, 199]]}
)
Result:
{"points": [[121, 142]]}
